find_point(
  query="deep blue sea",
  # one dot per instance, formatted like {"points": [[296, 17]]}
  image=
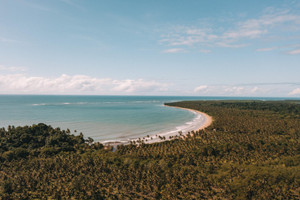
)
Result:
{"points": [[104, 118]]}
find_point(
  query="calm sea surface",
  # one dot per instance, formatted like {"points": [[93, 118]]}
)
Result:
{"points": [[104, 118]]}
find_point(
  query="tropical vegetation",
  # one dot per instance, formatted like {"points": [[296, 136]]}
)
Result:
{"points": [[251, 151]]}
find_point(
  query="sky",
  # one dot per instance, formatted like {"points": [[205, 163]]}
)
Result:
{"points": [[141, 47]]}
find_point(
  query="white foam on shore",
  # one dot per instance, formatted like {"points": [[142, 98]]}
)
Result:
{"points": [[198, 121]]}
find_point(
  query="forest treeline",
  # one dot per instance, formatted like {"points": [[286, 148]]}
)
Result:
{"points": [[251, 151]]}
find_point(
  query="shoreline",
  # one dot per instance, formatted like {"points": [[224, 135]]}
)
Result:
{"points": [[208, 118], [200, 122]]}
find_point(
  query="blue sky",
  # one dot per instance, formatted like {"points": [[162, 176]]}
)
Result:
{"points": [[139, 47]]}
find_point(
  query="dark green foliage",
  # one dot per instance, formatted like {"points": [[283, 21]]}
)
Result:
{"points": [[21, 142], [251, 151]]}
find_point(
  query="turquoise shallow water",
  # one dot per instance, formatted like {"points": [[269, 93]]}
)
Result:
{"points": [[104, 118]]}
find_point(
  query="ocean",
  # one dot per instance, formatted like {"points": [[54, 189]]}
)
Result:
{"points": [[103, 118]]}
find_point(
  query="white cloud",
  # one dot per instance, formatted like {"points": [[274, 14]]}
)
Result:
{"points": [[225, 90], [271, 23], [255, 89], [266, 49], [243, 33], [12, 68], [200, 88], [78, 84], [205, 50], [295, 92], [294, 52], [186, 36], [139, 85], [235, 90], [226, 44], [174, 50]]}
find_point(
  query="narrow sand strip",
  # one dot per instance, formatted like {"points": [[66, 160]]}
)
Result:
{"points": [[201, 121], [208, 120]]}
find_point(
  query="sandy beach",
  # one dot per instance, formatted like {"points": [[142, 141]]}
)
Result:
{"points": [[208, 120], [201, 121]]}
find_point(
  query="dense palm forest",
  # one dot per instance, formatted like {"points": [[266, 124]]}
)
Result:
{"points": [[251, 151]]}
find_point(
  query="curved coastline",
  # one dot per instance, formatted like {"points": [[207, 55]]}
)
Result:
{"points": [[208, 118], [201, 121]]}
